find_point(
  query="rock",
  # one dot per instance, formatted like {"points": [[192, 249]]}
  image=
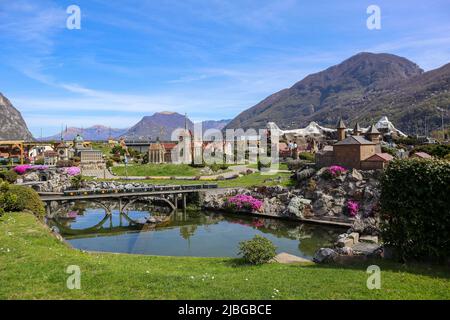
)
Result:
{"points": [[369, 239], [286, 258], [345, 242], [355, 175], [31, 177], [151, 220], [324, 255], [305, 174], [365, 226], [366, 249], [297, 205], [354, 236], [346, 251]]}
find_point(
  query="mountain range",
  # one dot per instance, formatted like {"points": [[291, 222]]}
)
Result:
{"points": [[94, 133], [361, 89], [159, 125]]}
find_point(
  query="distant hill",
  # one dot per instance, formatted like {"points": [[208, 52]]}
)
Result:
{"points": [[162, 124], [94, 133], [12, 125], [159, 125], [362, 88], [213, 124]]}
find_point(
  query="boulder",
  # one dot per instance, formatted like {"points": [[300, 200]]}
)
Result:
{"points": [[345, 242], [297, 205], [355, 175], [324, 255], [369, 239]]}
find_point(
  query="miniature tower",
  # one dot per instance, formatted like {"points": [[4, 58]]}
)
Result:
{"points": [[373, 134], [341, 130], [357, 130]]}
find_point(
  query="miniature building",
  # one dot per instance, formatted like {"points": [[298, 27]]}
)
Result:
{"points": [[156, 153], [377, 161], [422, 155], [356, 151], [357, 130], [89, 158], [341, 130], [50, 158], [63, 150], [160, 152]]}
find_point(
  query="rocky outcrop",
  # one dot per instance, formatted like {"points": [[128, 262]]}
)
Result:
{"points": [[12, 125]]}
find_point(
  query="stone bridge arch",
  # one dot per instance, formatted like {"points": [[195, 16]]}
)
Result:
{"points": [[150, 199]]}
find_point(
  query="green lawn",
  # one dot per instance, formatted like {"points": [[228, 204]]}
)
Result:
{"points": [[33, 266], [166, 170], [255, 179]]}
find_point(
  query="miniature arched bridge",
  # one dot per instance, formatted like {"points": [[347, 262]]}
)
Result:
{"points": [[170, 195]]}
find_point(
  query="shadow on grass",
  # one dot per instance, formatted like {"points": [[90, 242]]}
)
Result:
{"points": [[425, 269]]}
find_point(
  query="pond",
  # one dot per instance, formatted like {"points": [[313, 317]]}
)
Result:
{"points": [[193, 233]]}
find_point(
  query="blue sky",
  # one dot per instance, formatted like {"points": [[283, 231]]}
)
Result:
{"points": [[210, 58]]}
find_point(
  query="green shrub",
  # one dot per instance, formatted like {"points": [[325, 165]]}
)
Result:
{"points": [[391, 151], [26, 199], [9, 175], [214, 167], [264, 164], [436, 150], [258, 250], [64, 163], [415, 208], [295, 164], [39, 161], [76, 182], [308, 156], [109, 163]]}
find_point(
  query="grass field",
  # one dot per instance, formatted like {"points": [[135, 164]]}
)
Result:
{"points": [[166, 170], [33, 265], [255, 179]]}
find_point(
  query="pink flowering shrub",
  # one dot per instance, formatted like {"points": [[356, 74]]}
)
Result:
{"points": [[23, 168], [352, 208], [243, 202], [73, 171], [333, 171]]}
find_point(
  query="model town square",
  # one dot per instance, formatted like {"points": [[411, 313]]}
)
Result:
{"points": [[208, 151]]}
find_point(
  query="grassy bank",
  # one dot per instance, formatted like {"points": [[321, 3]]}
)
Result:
{"points": [[33, 265]]}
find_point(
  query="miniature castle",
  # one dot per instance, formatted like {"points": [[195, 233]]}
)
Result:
{"points": [[360, 150]]}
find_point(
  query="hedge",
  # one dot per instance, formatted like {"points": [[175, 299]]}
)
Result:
{"points": [[27, 199], [415, 208]]}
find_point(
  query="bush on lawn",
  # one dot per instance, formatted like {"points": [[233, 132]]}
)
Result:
{"points": [[26, 199], [264, 163], [258, 250], [296, 164], [415, 208], [308, 156]]}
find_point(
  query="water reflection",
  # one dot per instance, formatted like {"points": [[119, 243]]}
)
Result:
{"points": [[89, 227]]}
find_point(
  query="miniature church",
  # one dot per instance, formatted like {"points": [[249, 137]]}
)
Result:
{"points": [[356, 151]]}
